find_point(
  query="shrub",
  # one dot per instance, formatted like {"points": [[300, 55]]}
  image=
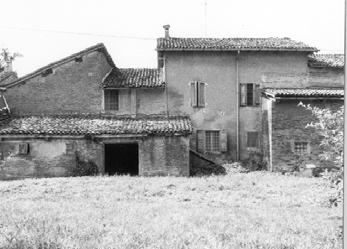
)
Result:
{"points": [[329, 124], [85, 168]]}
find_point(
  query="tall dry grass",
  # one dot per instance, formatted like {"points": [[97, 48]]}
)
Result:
{"points": [[255, 210]]}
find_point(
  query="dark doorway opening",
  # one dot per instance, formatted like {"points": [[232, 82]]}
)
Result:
{"points": [[122, 159]]}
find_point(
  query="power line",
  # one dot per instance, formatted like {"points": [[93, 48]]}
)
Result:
{"points": [[78, 33]]}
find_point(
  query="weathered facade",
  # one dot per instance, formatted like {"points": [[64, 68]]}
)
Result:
{"points": [[83, 108], [224, 99], [289, 145]]}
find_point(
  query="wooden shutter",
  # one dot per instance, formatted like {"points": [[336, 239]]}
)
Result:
{"points": [[201, 94], [243, 94], [223, 141], [193, 94], [256, 94], [200, 141]]}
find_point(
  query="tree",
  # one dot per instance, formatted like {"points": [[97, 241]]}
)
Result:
{"points": [[6, 58], [329, 124]]}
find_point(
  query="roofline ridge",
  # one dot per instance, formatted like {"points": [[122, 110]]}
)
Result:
{"points": [[59, 62]]}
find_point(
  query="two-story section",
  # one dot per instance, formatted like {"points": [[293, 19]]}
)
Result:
{"points": [[83, 110], [217, 82]]}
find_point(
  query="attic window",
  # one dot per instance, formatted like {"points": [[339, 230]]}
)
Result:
{"points": [[47, 72], [78, 59]]}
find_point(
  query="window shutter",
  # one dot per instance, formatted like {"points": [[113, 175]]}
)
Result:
{"points": [[243, 94], [256, 94], [193, 94], [223, 140], [201, 94], [200, 141]]}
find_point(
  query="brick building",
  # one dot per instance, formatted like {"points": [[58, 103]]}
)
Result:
{"points": [[226, 98]]}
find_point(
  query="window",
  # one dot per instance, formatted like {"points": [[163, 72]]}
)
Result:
{"points": [[300, 147], [23, 149], [211, 140], [47, 72], [250, 94], [252, 139], [111, 100], [197, 94]]}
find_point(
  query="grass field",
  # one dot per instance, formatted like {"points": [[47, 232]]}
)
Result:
{"points": [[254, 210]]}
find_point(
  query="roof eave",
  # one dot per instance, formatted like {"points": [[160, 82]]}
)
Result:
{"points": [[308, 50]]}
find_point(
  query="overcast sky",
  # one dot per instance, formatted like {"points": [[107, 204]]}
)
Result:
{"points": [[36, 28]]}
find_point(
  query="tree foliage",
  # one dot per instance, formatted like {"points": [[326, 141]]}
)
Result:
{"points": [[329, 124], [7, 57]]}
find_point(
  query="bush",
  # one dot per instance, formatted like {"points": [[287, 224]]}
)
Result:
{"points": [[330, 126], [85, 168]]}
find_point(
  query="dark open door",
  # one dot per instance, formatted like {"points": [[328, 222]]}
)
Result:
{"points": [[122, 159]]}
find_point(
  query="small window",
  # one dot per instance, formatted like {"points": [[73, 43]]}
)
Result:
{"points": [[47, 72], [250, 94], [197, 93], [252, 139], [211, 140], [23, 149], [111, 100], [300, 147], [78, 59]]}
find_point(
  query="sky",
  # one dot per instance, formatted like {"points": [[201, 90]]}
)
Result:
{"points": [[44, 31]]}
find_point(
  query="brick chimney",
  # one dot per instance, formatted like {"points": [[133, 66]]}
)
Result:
{"points": [[166, 28]]}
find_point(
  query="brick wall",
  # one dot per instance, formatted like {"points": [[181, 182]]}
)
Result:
{"points": [[288, 125], [57, 157], [164, 156], [72, 87]]}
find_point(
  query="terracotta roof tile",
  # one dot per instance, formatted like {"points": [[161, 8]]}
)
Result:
{"points": [[7, 77], [231, 44], [95, 125], [133, 78], [327, 60], [304, 92]]}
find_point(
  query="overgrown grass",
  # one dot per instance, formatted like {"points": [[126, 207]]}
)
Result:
{"points": [[255, 210]]}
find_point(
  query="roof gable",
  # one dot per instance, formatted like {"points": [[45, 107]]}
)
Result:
{"points": [[98, 47], [232, 44]]}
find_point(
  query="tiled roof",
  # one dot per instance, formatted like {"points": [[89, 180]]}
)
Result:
{"points": [[7, 77], [304, 92], [327, 60], [231, 44], [95, 125], [98, 47], [133, 78]]}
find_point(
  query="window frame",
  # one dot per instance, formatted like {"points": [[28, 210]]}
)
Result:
{"points": [[216, 146], [245, 93], [106, 102], [256, 141], [306, 152], [198, 100]]}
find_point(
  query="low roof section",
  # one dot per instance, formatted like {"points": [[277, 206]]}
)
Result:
{"points": [[335, 61], [92, 124], [133, 78], [294, 93]]}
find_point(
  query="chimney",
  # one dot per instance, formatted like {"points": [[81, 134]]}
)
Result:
{"points": [[166, 28]]}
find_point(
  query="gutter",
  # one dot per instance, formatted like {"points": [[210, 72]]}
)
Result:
{"points": [[238, 108]]}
